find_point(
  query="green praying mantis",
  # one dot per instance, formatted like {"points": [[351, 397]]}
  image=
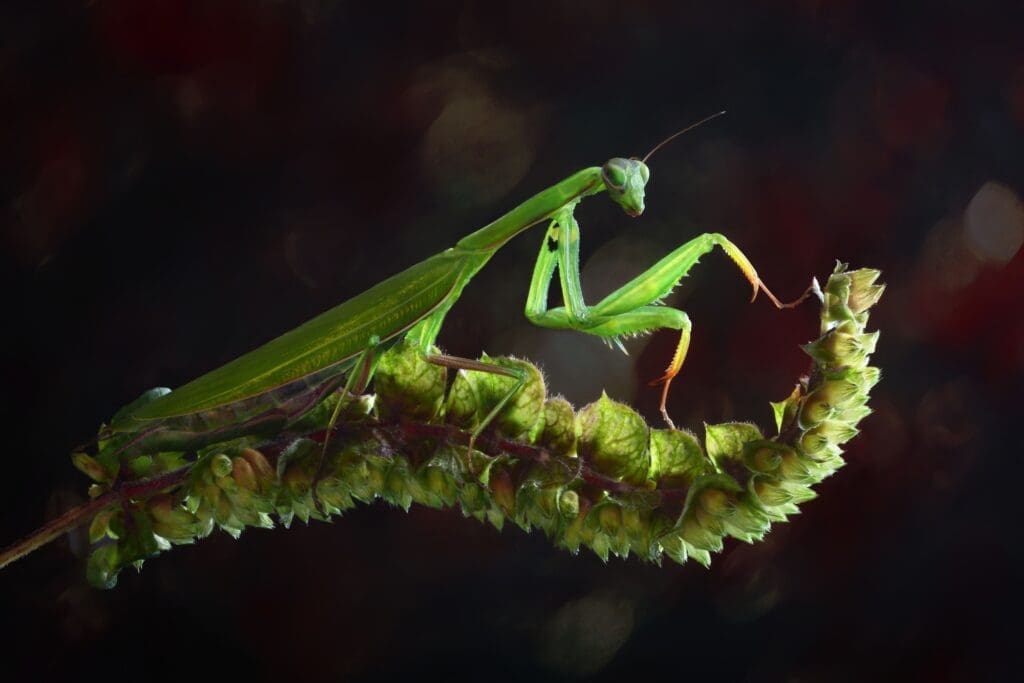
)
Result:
{"points": [[276, 384]]}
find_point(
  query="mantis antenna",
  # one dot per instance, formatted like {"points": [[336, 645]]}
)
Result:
{"points": [[672, 137]]}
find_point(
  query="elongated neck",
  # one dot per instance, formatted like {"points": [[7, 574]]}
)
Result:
{"points": [[536, 209]]}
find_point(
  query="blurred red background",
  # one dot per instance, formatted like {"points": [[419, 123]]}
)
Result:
{"points": [[183, 181]]}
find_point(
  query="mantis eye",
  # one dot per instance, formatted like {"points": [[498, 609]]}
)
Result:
{"points": [[645, 173], [614, 177]]}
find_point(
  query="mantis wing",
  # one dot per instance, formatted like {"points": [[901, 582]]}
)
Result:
{"points": [[333, 337]]}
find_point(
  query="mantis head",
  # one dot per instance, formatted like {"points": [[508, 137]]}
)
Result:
{"points": [[625, 180]]}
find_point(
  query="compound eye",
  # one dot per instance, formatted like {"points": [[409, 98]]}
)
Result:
{"points": [[645, 173], [614, 177]]}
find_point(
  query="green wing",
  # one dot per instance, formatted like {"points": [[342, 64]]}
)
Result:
{"points": [[386, 310]]}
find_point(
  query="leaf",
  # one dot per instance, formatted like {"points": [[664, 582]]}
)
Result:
{"points": [[614, 439], [725, 441], [676, 458]]}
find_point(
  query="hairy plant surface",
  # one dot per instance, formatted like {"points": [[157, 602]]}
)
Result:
{"points": [[599, 477]]}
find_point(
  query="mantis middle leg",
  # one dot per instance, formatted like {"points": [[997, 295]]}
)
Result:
{"points": [[630, 309]]}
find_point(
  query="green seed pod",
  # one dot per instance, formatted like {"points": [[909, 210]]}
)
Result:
{"points": [[699, 554], [503, 491], [848, 387], [748, 522], [715, 502], [800, 492], [816, 409], [296, 479], [769, 491], [559, 434], [223, 512], [100, 526], [366, 478], [473, 499], [869, 377], [815, 441], [576, 532], [608, 517], [672, 545], [115, 525], [332, 491], [141, 466], [825, 402], [837, 348], [396, 488], [613, 438], [90, 467], [699, 537], [634, 522], [709, 502], [171, 520], [795, 467], [864, 293], [764, 456], [220, 465], [439, 485], [600, 544], [103, 566], [263, 472], [619, 544], [243, 473], [853, 415], [227, 484], [837, 294], [569, 504], [728, 440]]}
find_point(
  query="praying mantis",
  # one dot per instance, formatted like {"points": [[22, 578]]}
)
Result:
{"points": [[276, 384]]}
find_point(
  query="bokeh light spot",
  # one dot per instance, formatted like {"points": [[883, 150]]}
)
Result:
{"points": [[477, 149], [584, 635], [994, 223]]}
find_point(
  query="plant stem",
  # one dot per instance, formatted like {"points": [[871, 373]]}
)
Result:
{"points": [[81, 514]]}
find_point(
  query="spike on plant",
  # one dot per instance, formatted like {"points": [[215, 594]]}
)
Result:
{"points": [[599, 477]]}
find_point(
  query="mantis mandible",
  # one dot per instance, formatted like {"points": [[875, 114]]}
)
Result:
{"points": [[279, 382]]}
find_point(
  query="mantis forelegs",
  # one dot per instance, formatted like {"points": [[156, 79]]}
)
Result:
{"points": [[629, 309]]}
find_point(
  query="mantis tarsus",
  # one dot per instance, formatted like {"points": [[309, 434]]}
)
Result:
{"points": [[282, 380]]}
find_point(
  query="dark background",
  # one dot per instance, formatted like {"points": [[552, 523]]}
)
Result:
{"points": [[182, 182]]}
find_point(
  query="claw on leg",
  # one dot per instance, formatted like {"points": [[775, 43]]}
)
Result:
{"points": [[775, 300], [672, 370], [751, 274]]}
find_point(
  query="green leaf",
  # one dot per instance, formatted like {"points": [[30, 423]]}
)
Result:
{"points": [[559, 434], [614, 438], [676, 458], [725, 441], [407, 385]]}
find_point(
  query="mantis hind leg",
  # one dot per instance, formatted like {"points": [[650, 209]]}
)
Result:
{"points": [[358, 379], [645, 319]]}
